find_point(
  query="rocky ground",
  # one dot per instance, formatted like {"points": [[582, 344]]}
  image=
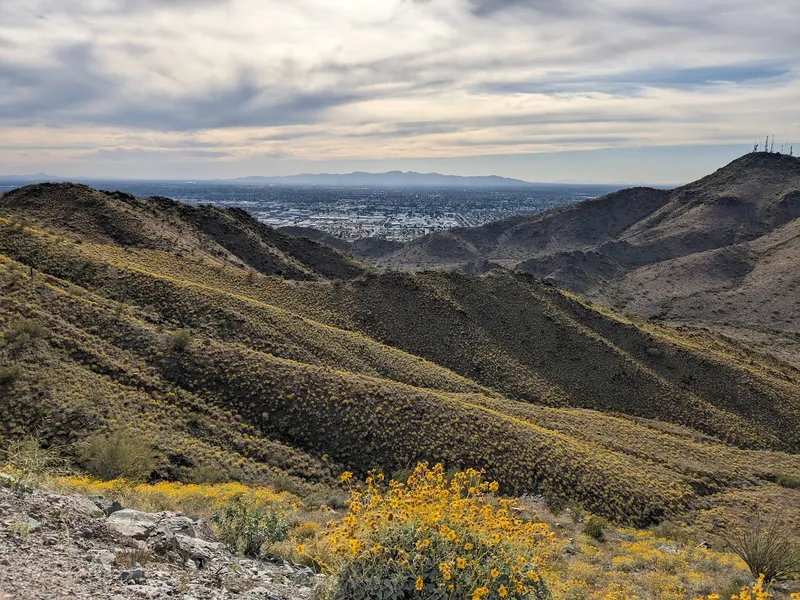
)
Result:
{"points": [[57, 546]]}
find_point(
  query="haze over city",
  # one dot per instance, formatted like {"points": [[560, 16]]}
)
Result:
{"points": [[541, 90]]}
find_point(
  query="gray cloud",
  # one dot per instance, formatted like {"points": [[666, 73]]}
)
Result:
{"points": [[419, 76], [483, 8]]}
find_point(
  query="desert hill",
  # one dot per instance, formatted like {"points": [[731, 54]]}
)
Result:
{"points": [[721, 250], [145, 313]]}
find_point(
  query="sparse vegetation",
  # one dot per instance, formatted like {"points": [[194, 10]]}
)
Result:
{"points": [[245, 529], [33, 462], [128, 558], [121, 454]]}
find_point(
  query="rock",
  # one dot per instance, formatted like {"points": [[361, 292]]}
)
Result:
{"points": [[131, 523], [182, 525], [33, 525], [103, 557], [260, 593], [704, 544], [302, 574], [161, 540], [85, 508], [669, 548], [200, 551], [135, 575], [109, 507]]}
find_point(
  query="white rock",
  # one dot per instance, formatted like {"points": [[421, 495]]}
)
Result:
{"points": [[131, 523]]}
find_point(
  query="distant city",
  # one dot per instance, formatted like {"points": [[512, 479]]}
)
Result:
{"points": [[392, 213]]}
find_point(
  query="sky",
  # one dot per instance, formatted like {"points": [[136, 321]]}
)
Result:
{"points": [[656, 91]]}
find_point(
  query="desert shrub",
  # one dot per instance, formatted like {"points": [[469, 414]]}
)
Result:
{"points": [[787, 481], [23, 334], [209, 474], [595, 527], [32, 462], [766, 549], [122, 454], [9, 374], [244, 529], [670, 530], [130, 557], [331, 498], [430, 538], [180, 340]]}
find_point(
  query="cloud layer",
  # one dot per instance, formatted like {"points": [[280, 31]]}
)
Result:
{"points": [[237, 81]]}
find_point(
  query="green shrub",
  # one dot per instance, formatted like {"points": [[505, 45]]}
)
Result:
{"points": [[245, 529], [208, 474], [124, 455], [595, 527], [180, 340], [787, 481], [767, 550], [9, 374], [23, 334]]}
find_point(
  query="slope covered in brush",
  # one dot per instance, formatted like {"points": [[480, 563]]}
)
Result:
{"points": [[231, 235], [721, 250], [297, 376]]}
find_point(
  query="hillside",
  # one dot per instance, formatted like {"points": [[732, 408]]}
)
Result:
{"points": [[122, 312], [730, 240]]}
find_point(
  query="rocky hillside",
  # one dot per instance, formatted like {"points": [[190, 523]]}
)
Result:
{"points": [[68, 546], [722, 250], [169, 319]]}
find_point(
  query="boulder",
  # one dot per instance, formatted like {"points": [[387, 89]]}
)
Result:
{"points": [[107, 506], [180, 524], [131, 523], [161, 540], [199, 551], [135, 575], [82, 507]]}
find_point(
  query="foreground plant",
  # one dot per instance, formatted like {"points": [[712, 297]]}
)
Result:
{"points": [[431, 538], [245, 529]]}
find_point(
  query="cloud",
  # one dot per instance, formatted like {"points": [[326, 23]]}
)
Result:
{"points": [[391, 78]]}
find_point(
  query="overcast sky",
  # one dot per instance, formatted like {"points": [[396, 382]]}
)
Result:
{"points": [[594, 90]]}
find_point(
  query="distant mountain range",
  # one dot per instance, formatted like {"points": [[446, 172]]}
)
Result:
{"points": [[390, 178], [357, 179]]}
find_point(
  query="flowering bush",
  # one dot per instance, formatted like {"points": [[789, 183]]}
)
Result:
{"points": [[434, 538]]}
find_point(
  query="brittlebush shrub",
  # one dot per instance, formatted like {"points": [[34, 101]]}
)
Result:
{"points": [[119, 455], [434, 539]]}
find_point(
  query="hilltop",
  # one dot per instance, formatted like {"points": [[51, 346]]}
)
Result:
{"points": [[720, 251], [242, 349]]}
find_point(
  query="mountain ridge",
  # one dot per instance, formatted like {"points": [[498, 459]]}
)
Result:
{"points": [[172, 319], [737, 226]]}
